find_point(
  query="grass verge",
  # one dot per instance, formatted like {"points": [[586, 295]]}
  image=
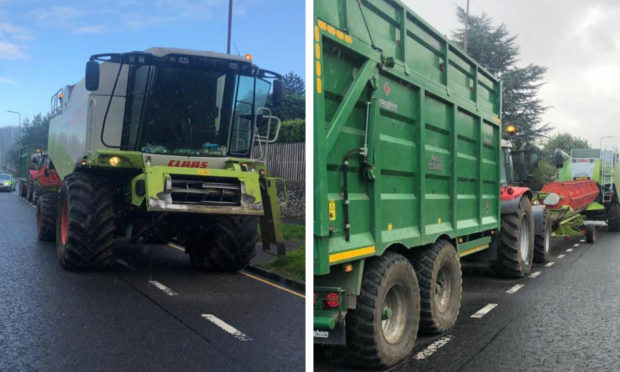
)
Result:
{"points": [[292, 266]]}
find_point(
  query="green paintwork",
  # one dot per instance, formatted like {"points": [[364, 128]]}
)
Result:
{"points": [[570, 226], [433, 136], [595, 207], [475, 243]]}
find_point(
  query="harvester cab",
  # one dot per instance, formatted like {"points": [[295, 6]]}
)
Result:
{"points": [[178, 138]]}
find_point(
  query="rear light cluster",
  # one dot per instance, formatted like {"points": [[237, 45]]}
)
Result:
{"points": [[329, 302]]}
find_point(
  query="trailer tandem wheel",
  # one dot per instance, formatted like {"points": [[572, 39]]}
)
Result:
{"points": [[439, 274], [542, 242], [382, 329]]}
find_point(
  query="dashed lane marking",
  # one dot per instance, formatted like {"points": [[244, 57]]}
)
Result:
{"points": [[534, 274], [272, 284], [561, 256], [430, 349], [163, 288], [484, 311], [226, 327], [125, 264], [549, 264], [582, 240], [569, 250], [515, 288], [576, 245]]}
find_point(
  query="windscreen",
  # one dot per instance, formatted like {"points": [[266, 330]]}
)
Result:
{"points": [[196, 112]]}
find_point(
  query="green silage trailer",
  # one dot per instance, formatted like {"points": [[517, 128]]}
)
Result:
{"points": [[407, 173]]}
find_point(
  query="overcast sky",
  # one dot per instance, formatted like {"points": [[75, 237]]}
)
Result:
{"points": [[578, 40]]}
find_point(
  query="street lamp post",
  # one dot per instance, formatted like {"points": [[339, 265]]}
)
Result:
{"points": [[230, 6], [19, 162]]}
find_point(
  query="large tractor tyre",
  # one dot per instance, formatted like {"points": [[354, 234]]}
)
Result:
{"points": [[29, 192], [515, 252], [85, 226], [613, 219], [226, 243], [382, 329], [22, 190], [542, 242], [590, 233], [47, 210], [439, 274]]}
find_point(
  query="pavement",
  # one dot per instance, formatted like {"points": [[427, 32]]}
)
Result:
{"points": [[564, 317], [149, 311]]}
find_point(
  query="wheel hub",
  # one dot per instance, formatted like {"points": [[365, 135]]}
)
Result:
{"points": [[393, 317], [442, 290], [525, 238]]}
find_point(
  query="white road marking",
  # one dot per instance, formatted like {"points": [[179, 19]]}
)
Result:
{"points": [[549, 264], [569, 250], [430, 349], [561, 256], [484, 311], [515, 288], [163, 288], [576, 245], [582, 240], [176, 246], [534, 274], [226, 327], [125, 264]]}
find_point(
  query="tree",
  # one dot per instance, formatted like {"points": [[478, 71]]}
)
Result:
{"points": [[495, 49], [294, 84], [563, 141], [294, 105]]}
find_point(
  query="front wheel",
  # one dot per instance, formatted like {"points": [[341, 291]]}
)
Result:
{"points": [[542, 242], [85, 226], [382, 329], [47, 208], [223, 243], [590, 233]]}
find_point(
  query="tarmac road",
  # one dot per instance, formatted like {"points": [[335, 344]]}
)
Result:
{"points": [[564, 318], [150, 311]]}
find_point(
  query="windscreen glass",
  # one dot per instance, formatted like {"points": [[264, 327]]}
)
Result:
{"points": [[191, 111]]}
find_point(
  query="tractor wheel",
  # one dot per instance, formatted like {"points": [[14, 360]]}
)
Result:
{"points": [[515, 252], [29, 192], [542, 242], [590, 233], [613, 220], [85, 226], [223, 243], [382, 329], [47, 208], [439, 275], [22, 190]]}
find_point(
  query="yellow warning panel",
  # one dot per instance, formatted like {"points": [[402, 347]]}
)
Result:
{"points": [[332, 210]]}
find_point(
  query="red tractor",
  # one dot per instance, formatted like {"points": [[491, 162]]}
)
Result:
{"points": [[42, 177]]}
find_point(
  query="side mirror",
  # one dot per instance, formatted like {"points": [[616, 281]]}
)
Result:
{"points": [[278, 93], [92, 75], [558, 158]]}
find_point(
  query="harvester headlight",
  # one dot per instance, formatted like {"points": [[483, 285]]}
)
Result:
{"points": [[114, 160]]}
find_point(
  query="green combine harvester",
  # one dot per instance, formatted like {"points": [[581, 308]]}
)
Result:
{"points": [[585, 194], [157, 146]]}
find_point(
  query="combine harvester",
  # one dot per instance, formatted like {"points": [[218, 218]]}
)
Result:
{"points": [[585, 195]]}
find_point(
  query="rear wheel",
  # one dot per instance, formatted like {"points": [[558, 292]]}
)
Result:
{"points": [[613, 220], [85, 226], [22, 189], [590, 233], [542, 242], [439, 274], [225, 243], [47, 209], [515, 252], [382, 329], [29, 192]]}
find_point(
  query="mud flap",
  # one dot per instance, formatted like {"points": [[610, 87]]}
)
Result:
{"points": [[270, 222]]}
